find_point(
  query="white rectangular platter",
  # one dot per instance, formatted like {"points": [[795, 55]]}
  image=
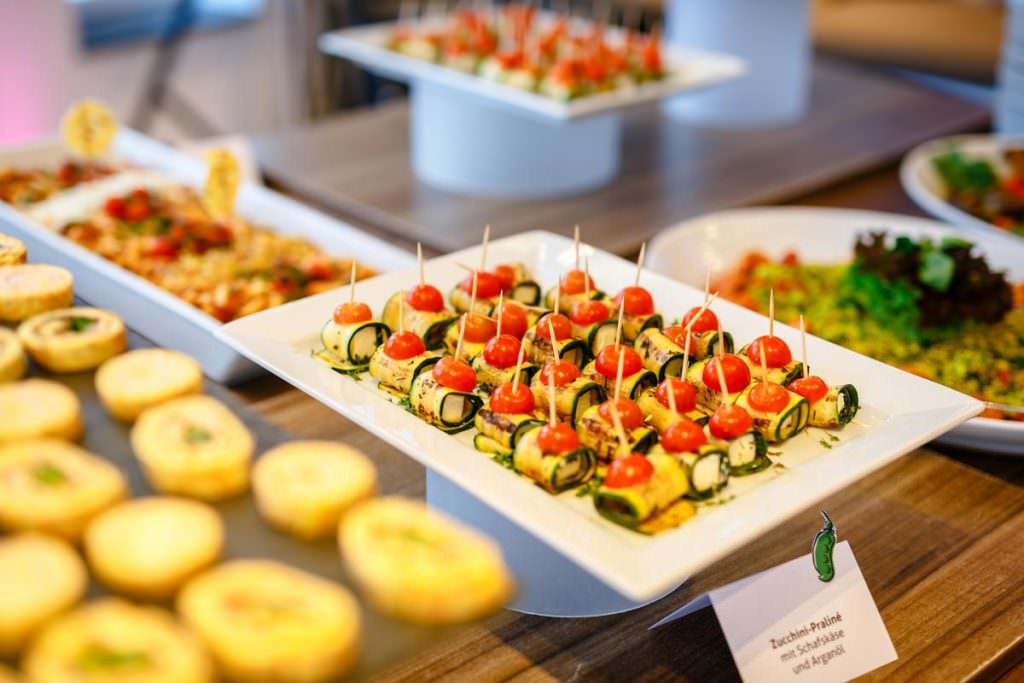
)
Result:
{"points": [[147, 309], [900, 413], [689, 69]]}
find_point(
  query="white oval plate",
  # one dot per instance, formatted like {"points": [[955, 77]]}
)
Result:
{"points": [[925, 187], [716, 241]]}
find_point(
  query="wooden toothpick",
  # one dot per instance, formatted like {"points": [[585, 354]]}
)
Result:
{"points": [[618, 325], [640, 264], [552, 412], [419, 258], [586, 276], [623, 441], [352, 284], [558, 296], [803, 345], [483, 250], [401, 312], [519, 367], [500, 310], [707, 284], [554, 342], [721, 381], [700, 312], [771, 312], [686, 354], [618, 374], [576, 239], [764, 366], [671, 396]]}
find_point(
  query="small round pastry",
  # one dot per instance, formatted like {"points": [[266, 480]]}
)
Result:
{"points": [[29, 289], [132, 382], [54, 487], [418, 565], [193, 446], [37, 408], [73, 339], [113, 640], [40, 577], [12, 356], [304, 487], [12, 251], [148, 547], [264, 621]]}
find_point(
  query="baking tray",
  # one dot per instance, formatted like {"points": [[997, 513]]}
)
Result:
{"points": [[385, 641]]}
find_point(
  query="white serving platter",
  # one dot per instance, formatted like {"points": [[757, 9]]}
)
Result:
{"points": [[716, 241], [689, 69], [147, 309], [900, 413], [924, 186]]}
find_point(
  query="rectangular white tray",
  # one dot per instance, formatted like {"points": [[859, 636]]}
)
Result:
{"points": [[689, 69], [149, 310], [901, 412]]}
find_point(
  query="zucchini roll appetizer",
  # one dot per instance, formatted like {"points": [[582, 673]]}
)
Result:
{"points": [[703, 375], [633, 383], [831, 407], [639, 487], [508, 416], [655, 404], [540, 346], [575, 286], [638, 312], [778, 414], [705, 337], [659, 353], [444, 396], [496, 365], [596, 429], [424, 313], [706, 464], [553, 456], [351, 337], [511, 278], [401, 359], [732, 427], [517, 281], [782, 367], [479, 329], [574, 394], [592, 321]]}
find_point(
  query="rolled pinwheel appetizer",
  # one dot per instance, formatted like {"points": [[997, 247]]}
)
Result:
{"points": [[399, 361], [574, 394], [73, 339], [702, 344], [508, 416], [444, 396], [511, 278], [703, 375], [830, 407], [778, 414], [640, 487], [496, 365], [479, 329], [659, 353], [553, 456], [732, 427], [592, 321], [596, 429], [782, 367], [575, 286], [351, 337], [424, 314], [635, 378], [707, 464], [638, 312], [655, 404], [516, 318], [519, 283], [540, 346]]}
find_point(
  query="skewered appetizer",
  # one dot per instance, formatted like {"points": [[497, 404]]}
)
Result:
{"points": [[551, 334], [475, 329], [351, 337], [55, 487], [638, 306], [112, 640], [133, 382], [593, 321], [193, 446], [12, 356], [418, 565], [778, 413], [305, 487], [423, 313], [553, 456], [782, 367], [265, 621], [603, 370], [732, 427], [32, 288], [12, 251], [706, 464], [663, 351], [40, 577], [574, 394], [510, 413], [831, 407], [73, 339], [574, 286], [444, 397], [637, 489], [511, 279], [656, 404], [703, 375], [399, 361], [496, 364], [38, 408], [596, 428]]}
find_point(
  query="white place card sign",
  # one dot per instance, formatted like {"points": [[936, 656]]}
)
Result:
{"points": [[784, 624]]}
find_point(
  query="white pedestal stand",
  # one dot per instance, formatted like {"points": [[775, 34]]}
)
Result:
{"points": [[550, 584]]}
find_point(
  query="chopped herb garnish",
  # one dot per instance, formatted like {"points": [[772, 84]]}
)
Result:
{"points": [[101, 658], [503, 459], [80, 324], [51, 475], [825, 443], [196, 435]]}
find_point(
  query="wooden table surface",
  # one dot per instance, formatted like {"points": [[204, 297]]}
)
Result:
{"points": [[358, 165]]}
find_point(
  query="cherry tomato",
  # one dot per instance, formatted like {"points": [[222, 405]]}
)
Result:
{"points": [[684, 393], [561, 325], [352, 312], [454, 374], [707, 322], [487, 284], [776, 352], [636, 301], [678, 336], [813, 388], [506, 274], [565, 372], [317, 269], [114, 207], [502, 352], [730, 422], [607, 361], [425, 298], [575, 282], [683, 436], [513, 319], [768, 397], [136, 210], [560, 438], [404, 345], [589, 312], [162, 247], [629, 413], [507, 401], [737, 374], [477, 328], [629, 471]]}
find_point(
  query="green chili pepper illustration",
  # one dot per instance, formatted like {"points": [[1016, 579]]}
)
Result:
{"points": [[821, 550]]}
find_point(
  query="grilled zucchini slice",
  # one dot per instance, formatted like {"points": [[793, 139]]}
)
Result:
{"points": [[504, 430], [489, 378], [633, 325], [780, 426], [539, 351], [707, 398], [784, 375], [567, 301], [600, 436], [660, 417], [747, 453], [630, 506], [659, 354], [571, 400], [449, 410], [838, 407], [430, 326], [632, 386], [398, 375], [707, 469], [554, 473], [352, 346]]}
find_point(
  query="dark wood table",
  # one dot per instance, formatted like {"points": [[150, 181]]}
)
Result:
{"points": [[937, 533]]}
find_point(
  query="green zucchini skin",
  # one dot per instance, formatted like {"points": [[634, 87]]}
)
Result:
{"points": [[460, 300], [489, 378], [784, 375], [597, 434], [660, 417], [633, 505], [505, 430], [400, 374], [338, 341], [778, 426], [567, 301], [633, 325], [632, 386], [827, 414], [539, 350], [737, 466], [486, 444], [571, 400], [430, 326], [427, 399], [526, 292], [705, 344], [707, 398], [550, 471], [659, 353], [714, 455]]}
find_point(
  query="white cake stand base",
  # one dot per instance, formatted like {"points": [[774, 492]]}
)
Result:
{"points": [[466, 144], [550, 584]]}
